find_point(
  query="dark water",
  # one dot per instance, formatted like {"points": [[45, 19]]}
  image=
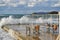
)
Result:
{"points": [[14, 15], [36, 16]]}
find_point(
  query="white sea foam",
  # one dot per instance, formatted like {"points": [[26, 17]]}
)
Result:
{"points": [[8, 20], [25, 19]]}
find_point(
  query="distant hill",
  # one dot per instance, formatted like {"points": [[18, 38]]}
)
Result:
{"points": [[40, 13], [53, 12]]}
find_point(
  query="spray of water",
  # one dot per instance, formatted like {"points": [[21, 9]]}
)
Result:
{"points": [[25, 19]]}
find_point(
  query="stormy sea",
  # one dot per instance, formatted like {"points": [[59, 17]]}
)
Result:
{"points": [[19, 22]]}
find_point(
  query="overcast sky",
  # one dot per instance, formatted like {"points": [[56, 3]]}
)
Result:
{"points": [[28, 6]]}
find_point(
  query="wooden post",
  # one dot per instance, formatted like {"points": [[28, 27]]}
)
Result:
{"points": [[58, 38], [5, 28], [36, 32], [12, 33], [48, 28], [54, 26], [28, 31]]}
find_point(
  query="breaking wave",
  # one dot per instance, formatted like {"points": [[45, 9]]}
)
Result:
{"points": [[25, 19]]}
